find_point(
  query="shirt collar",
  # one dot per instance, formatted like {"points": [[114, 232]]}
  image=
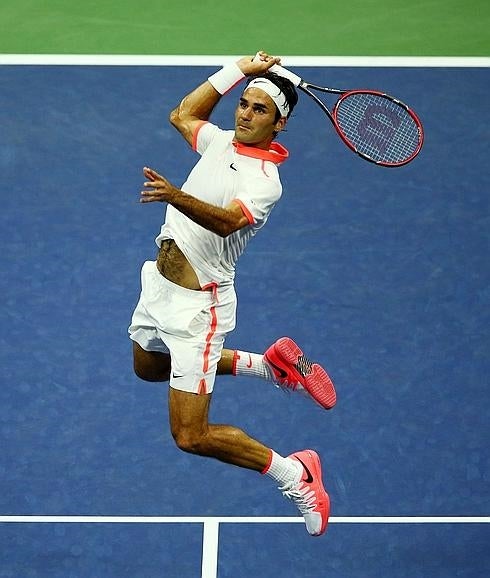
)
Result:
{"points": [[276, 154]]}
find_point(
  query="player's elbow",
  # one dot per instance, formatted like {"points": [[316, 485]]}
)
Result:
{"points": [[175, 118], [224, 232], [229, 226], [231, 219]]}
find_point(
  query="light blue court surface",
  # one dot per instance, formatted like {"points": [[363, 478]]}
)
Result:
{"points": [[380, 274]]}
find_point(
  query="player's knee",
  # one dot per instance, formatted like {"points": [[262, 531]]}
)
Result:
{"points": [[190, 441]]}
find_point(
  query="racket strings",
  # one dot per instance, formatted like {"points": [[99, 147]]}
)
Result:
{"points": [[378, 127]]}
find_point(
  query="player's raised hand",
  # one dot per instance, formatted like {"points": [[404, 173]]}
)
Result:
{"points": [[257, 64]]}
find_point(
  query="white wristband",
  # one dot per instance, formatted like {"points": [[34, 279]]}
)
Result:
{"points": [[226, 78]]}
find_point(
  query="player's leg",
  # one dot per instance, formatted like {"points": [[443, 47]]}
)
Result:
{"points": [[226, 362], [155, 366], [188, 414], [285, 364], [151, 358], [150, 365], [299, 476], [286, 367]]}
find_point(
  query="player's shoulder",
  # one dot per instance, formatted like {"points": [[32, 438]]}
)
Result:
{"points": [[208, 134]]}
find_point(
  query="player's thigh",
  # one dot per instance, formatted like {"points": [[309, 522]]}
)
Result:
{"points": [[150, 365], [188, 412]]}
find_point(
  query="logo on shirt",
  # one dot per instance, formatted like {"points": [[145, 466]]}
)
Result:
{"points": [[232, 166]]}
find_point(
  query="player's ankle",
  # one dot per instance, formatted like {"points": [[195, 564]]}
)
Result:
{"points": [[251, 364], [283, 470]]}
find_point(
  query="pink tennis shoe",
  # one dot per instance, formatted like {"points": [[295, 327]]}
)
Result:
{"points": [[308, 494], [293, 371]]}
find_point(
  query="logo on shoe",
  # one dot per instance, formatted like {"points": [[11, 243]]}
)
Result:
{"points": [[282, 374], [309, 477]]}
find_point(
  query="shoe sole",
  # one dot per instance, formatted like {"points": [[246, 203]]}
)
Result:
{"points": [[315, 467], [317, 382]]}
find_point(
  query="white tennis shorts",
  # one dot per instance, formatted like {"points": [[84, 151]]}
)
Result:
{"points": [[189, 325]]}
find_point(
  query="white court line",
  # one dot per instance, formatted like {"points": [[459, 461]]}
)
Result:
{"points": [[242, 519], [218, 60], [210, 539]]}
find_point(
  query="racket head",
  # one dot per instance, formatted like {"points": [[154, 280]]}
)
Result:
{"points": [[378, 127]]}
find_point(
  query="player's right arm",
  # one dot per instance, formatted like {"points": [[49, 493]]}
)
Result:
{"points": [[193, 109], [198, 105]]}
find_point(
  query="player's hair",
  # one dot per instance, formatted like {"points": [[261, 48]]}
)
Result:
{"points": [[285, 86]]}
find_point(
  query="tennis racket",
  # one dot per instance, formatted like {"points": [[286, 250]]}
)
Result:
{"points": [[378, 127]]}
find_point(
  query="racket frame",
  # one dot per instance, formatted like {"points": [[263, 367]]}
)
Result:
{"points": [[332, 115]]}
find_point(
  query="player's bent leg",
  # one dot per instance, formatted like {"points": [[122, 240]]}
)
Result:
{"points": [[188, 413], [299, 474], [150, 365], [285, 364], [226, 363], [188, 416]]}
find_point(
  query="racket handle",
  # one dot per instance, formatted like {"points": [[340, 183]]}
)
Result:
{"points": [[284, 72]]}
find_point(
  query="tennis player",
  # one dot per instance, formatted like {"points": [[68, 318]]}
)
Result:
{"points": [[187, 303]]}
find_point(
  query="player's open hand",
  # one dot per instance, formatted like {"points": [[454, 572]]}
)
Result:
{"points": [[158, 189]]}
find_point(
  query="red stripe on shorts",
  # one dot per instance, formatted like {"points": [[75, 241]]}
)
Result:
{"points": [[209, 337], [203, 390]]}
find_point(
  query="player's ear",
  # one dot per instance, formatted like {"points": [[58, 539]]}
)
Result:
{"points": [[280, 124]]}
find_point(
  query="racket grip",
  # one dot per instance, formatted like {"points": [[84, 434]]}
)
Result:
{"points": [[284, 72]]}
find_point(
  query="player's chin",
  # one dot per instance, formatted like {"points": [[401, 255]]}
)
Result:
{"points": [[244, 135]]}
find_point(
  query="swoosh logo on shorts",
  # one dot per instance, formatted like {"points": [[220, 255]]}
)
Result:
{"points": [[176, 376], [309, 477]]}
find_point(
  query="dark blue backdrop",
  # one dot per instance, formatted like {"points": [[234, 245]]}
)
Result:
{"points": [[380, 274]]}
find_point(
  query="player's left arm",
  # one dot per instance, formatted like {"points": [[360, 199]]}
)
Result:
{"points": [[220, 220]]}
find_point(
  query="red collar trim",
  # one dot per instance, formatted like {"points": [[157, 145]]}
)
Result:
{"points": [[276, 154]]}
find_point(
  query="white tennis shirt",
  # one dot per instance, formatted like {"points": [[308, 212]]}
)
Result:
{"points": [[227, 171]]}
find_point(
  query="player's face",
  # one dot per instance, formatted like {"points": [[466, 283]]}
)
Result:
{"points": [[255, 119]]}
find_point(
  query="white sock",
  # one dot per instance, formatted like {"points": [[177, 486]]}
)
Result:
{"points": [[252, 364], [284, 471]]}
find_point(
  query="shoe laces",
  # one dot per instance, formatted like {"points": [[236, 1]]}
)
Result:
{"points": [[303, 497], [304, 365], [287, 385]]}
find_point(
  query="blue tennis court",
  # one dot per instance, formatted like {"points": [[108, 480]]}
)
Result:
{"points": [[381, 274]]}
